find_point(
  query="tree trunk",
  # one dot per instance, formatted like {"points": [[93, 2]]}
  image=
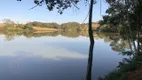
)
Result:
{"points": [[89, 65], [90, 32], [138, 32]]}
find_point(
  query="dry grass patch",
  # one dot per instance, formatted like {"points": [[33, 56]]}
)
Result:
{"points": [[44, 29], [1, 25]]}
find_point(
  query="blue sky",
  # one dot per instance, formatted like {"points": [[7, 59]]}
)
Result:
{"points": [[19, 12]]}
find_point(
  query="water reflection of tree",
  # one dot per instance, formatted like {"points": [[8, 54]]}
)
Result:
{"points": [[9, 37], [117, 42], [128, 67], [72, 34], [89, 65], [119, 45]]}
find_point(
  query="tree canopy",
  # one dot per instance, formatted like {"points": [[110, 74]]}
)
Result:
{"points": [[123, 14], [60, 5]]}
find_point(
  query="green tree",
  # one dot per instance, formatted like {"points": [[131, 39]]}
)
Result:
{"points": [[125, 16], [8, 21]]}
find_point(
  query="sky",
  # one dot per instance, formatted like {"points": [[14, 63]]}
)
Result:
{"points": [[19, 11]]}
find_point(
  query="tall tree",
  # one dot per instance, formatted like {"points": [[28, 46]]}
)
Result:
{"points": [[89, 66], [126, 17]]}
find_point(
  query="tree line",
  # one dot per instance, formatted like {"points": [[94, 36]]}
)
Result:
{"points": [[69, 26]]}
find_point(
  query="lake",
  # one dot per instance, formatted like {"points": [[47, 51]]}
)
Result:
{"points": [[57, 57]]}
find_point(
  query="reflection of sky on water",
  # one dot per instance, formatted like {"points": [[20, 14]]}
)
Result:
{"points": [[51, 52], [54, 58], [35, 48]]}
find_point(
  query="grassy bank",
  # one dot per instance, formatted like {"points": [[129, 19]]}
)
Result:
{"points": [[128, 69]]}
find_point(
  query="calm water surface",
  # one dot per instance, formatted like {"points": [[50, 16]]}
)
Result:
{"points": [[54, 58]]}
